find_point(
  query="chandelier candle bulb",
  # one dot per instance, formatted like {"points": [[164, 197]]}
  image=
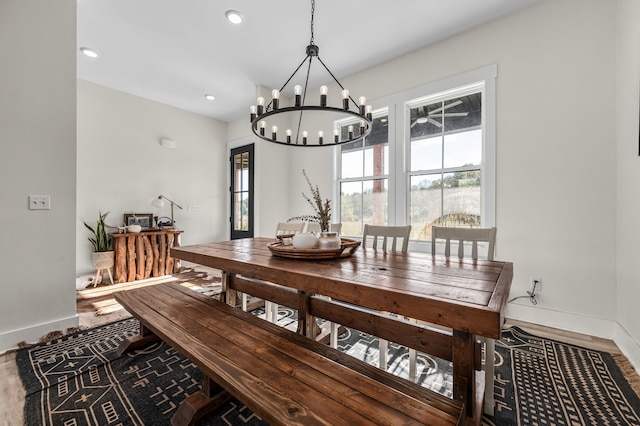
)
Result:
{"points": [[320, 135], [362, 125], [276, 98], [274, 131], [345, 99], [252, 112], [368, 111], [288, 135], [297, 91], [323, 95], [336, 135], [263, 124], [260, 102], [304, 137], [363, 102], [350, 131]]}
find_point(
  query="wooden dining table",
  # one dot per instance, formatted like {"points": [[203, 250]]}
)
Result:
{"points": [[465, 295]]}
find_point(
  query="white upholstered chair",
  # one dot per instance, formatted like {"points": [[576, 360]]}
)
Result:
{"points": [[477, 240], [397, 239], [283, 228]]}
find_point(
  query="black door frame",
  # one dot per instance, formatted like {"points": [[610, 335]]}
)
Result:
{"points": [[236, 234]]}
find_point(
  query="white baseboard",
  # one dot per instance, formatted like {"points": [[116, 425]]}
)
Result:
{"points": [[628, 346], [32, 334], [577, 323]]}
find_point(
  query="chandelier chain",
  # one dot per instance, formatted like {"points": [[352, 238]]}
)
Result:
{"points": [[313, 11]]}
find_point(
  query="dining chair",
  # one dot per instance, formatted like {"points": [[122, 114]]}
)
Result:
{"points": [[485, 238], [397, 237], [270, 308], [315, 227], [386, 234]]}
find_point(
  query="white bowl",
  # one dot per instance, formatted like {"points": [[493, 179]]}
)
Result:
{"points": [[305, 241], [134, 228]]}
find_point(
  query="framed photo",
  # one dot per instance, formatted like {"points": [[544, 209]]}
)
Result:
{"points": [[143, 219]]}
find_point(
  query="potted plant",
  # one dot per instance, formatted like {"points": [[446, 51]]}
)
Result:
{"points": [[101, 241], [327, 239], [322, 208]]}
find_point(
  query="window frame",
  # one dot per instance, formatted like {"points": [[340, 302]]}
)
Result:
{"points": [[397, 106]]}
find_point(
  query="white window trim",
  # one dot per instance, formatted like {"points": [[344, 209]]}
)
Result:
{"points": [[398, 152]]}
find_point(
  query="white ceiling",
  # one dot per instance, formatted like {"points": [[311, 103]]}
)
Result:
{"points": [[175, 51]]}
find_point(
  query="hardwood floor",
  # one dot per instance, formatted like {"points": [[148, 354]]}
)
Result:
{"points": [[12, 393]]}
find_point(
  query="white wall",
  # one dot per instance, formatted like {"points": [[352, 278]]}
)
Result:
{"points": [[38, 144], [628, 177], [122, 167], [556, 154]]}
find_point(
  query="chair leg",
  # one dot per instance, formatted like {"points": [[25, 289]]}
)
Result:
{"points": [[334, 335], [383, 346], [271, 311], [489, 375], [413, 365]]}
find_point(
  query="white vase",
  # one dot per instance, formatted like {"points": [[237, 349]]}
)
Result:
{"points": [[304, 241], [329, 240]]}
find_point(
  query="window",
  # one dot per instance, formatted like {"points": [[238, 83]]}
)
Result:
{"points": [[445, 169], [429, 160], [364, 177]]}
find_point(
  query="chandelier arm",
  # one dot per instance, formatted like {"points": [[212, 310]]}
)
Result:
{"points": [[336, 80], [304, 97], [288, 80]]}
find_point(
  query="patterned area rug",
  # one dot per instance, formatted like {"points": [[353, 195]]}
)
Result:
{"points": [[78, 380]]}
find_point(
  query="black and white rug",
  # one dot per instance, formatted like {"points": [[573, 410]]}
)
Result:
{"points": [[79, 380]]}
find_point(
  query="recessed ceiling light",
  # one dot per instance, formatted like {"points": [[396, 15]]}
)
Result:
{"points": [[233, 16], [209, 97], [88, 52]]}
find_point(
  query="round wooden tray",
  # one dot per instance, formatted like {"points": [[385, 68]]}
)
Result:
{"points": [[347, 248]]}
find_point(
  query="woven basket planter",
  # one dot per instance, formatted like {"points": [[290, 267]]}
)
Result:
{"points": [[103, 259]]}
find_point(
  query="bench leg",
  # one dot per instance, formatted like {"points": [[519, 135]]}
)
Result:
{"points": [[141, 340], [197, 405]]}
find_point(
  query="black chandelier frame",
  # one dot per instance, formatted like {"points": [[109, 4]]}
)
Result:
{"points": [[363, 113]]}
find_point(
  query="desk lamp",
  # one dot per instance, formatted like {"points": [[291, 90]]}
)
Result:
{"points": [[159, 202]]}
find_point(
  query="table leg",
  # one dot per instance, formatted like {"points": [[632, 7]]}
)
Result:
{"points": [[464, 383]]}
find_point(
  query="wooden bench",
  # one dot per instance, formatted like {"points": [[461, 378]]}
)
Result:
{"points": [[283, 377]]}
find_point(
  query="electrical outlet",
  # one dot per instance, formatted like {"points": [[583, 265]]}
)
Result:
{"points": [[536, 284], [39, 202]]}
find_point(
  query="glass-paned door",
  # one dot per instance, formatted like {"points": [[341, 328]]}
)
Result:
{"points": [[242, 192]]}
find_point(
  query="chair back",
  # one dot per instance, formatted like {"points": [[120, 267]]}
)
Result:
{"points": [[385, 234], [462, 236], [315, 227], [285, 228]]}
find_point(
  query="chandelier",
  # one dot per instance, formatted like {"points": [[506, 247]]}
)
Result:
{"points": [[266, 118]]}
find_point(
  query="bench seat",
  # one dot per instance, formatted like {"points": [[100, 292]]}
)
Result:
{"points": [[283, 377]]}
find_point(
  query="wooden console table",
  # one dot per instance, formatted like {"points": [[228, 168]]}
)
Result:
{"points": [[145, 254]]}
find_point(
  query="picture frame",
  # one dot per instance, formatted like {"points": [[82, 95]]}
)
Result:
{"points": [[145, 220]]}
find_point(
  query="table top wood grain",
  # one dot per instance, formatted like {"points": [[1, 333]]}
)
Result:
{"points": [[464, 294]]}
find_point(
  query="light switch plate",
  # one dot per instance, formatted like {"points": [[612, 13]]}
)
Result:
{"points": [[39, 202]]}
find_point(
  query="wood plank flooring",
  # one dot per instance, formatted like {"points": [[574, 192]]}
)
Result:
{"points": [[12, 393]]}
